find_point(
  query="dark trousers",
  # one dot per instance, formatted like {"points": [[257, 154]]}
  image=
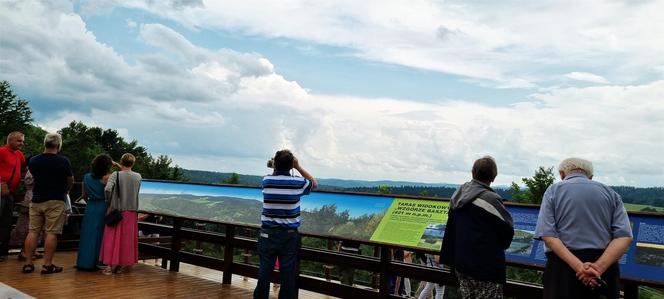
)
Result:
{"points": [[285, 244], [560, 279], [6, 222]]}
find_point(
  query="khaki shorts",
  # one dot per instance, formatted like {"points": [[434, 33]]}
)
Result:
{"points": [[49, 216]]}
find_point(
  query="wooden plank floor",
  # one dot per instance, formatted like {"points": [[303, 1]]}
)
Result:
{"points": [[142, 281]]}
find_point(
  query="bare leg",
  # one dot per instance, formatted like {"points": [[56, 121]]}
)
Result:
{"points": [[50, 244], [30, 246]]}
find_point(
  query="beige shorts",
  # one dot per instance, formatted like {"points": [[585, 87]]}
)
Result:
{"points": [[48, 216]]}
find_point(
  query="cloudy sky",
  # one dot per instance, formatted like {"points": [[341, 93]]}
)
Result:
{"points": [[400, 90]]}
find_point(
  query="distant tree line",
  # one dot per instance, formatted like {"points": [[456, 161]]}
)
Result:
{"points": [[652, 196], [80, 143], [428, 191]]}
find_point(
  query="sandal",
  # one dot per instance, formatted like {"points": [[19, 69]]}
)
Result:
{"points": [[107, 271], [22, 257], [28, 268], [50, 269]]}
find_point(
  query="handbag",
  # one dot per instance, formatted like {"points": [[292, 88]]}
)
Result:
{"points": [[68, 209], [114, 216]]}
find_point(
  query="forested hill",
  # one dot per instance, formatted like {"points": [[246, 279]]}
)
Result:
{"points": [[653, 196], [211, 177]]}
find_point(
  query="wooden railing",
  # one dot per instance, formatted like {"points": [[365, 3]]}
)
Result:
{"points": [[173, 235], [382, 265]]}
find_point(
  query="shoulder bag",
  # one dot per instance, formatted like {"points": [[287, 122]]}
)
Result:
{"points": [[114, 216]]}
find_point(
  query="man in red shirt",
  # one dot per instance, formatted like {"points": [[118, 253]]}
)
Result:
{"points": [[11, 163]]}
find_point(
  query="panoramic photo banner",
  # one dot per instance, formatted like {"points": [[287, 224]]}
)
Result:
{"points": [[400, 221]]}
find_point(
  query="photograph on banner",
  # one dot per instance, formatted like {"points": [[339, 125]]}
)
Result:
{"points": [[413, 222], [524, 220], [650, 244], [348, 215]]}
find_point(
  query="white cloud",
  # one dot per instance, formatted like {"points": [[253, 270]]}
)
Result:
{"points": [[229, 111], [131, 23], [587, 77], [500, 43]]}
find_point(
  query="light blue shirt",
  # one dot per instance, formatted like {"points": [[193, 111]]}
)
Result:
{"points": [[582, 213]]}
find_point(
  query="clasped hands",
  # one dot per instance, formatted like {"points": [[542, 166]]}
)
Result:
{"points": [[589, 274]]}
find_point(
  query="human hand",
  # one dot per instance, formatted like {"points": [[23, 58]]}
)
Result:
{"points": [[296, 163], [588, 274]]}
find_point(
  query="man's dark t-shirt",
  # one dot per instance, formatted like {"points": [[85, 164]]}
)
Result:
{"points": [[50, 172]]}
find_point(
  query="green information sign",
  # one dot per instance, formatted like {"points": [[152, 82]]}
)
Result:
{"points": [[413, 222]]}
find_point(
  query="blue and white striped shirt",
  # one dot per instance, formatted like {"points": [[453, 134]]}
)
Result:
{"points": [[281, 199]]}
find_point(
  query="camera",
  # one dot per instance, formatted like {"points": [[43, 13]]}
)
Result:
{"points": [[270, 163]]}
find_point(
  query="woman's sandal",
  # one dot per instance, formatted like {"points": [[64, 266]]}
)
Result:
{"points": [[28, 268], [50, 269], [118, 270]]}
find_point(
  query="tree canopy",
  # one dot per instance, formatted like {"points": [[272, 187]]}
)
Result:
{"points": [[96, 140], [536, 186], [15, 114]]}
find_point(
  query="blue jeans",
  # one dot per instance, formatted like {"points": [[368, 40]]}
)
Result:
{"points": [[272, 243]]}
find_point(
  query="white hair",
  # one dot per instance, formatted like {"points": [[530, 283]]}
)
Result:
{"points": [[570, 165], [13, 135], [53, 140]]}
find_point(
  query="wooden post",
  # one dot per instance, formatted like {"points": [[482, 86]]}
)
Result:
{"points": [[374, 279], [385, 260], [631, 290], [228, 254], [175, 245], [327, 267]]}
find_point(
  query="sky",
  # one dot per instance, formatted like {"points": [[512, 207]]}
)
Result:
{"points": [[372, 90]]}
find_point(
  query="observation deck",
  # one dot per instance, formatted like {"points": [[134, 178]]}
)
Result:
{"points": [[191, 257], [144, 280]]}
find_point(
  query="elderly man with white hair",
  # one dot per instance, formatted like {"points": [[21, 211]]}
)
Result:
{"points": [[53, 179], [585, 228]]}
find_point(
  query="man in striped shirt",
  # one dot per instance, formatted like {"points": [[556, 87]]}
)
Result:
{"points": [[280, 220]]}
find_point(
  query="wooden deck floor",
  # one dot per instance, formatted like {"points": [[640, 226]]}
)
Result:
{"points": [[142, 281]]}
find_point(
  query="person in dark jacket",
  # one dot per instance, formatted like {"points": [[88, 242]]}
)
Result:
{"points": [[478, 231]]}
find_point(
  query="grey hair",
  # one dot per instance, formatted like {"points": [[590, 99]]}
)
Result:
{"points": [[53, 140], [14, 135], [570, 165]]}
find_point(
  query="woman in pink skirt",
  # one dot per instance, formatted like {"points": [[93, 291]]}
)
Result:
{"points": [[120, 244]]}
